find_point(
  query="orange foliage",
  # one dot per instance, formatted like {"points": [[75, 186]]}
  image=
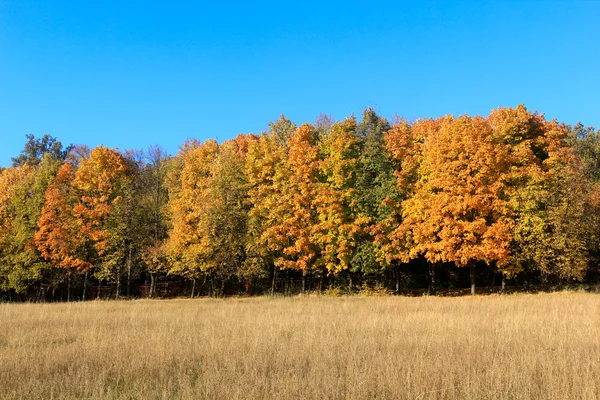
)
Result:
{"points": [[99, 180], [57, 238]]}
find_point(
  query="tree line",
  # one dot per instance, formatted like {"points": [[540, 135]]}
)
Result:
{"points": [[445, 202]]}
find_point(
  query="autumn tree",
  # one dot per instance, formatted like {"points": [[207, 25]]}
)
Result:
{"points": [[392, 238], [10, 178], [585, 142], [459, 212], [57, 237], [130, 225], [292, 239], [155, 257], [227, 210], [189, 197], [157, 160], [101, 180], [23, 206], [548, 195], [339, 225], [562, 248], [153, 206], [267, 175], [23, 198], [513, 191]]}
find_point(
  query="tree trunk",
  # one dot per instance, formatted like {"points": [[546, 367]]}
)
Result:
{"points": [[129, 272], [85, 279], [432, 282], [472, 273], [98, 296], [203, 284], [193, 287], [303, 282], [397, 280], [287, 282], [69, 287], [503, 284], [222, 293], [118, 283], [274, 279], [322, 282], [151, 284]]}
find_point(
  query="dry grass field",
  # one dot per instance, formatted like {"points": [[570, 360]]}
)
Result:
{"points": [[544, 346]]}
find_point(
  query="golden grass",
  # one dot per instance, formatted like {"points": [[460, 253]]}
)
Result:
{"points": [[544, 346]]}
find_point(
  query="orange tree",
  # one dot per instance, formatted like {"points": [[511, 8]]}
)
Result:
{"points": [[57, 237], [459, 211], [100, 181], [292, 239]]}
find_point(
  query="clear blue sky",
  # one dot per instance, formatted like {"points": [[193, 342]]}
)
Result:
{"points": [[129, 74]]}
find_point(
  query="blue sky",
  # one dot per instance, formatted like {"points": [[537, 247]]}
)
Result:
{"points": [[130, 74]]}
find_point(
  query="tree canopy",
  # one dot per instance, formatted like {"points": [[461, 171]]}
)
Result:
{"points": [[510, 194]]}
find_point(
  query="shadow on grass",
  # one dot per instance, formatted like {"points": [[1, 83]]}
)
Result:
{"points": [[496, 290]]}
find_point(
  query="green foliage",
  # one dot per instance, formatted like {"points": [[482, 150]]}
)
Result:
{"points": [[35, 149], [375, 182]]}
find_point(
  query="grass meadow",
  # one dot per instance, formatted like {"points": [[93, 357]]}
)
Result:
{"points": [[543, 346]]}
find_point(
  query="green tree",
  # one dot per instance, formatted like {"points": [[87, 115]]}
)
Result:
{"points": [[375, 182], [34, 150]]}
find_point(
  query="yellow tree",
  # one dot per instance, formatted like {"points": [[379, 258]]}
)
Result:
{"points": [[548, 195], [25, 205], [10, 179], [267, 175], [394, 244], [210, 210], [459, 211], [339, 225], [189, 195], [227, 210]]}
